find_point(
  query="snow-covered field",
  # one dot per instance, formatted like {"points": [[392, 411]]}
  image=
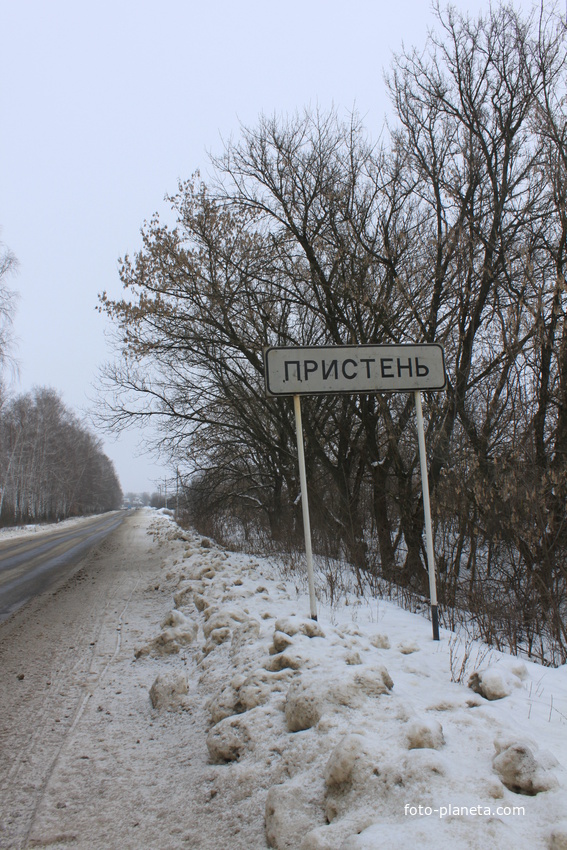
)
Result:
{"points": [[262, 728]]}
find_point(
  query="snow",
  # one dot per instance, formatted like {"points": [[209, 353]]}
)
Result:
{"points": [[360, 723], [168, 691], [343, 734]]}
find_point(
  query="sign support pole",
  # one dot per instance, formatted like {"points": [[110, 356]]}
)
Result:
{"points": [[305, 505], [427, 514]]}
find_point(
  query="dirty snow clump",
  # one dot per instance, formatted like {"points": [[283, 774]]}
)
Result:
{"points": [[168, 692], [177, 631], [228, 739], [493, 683], [520, 771], [425, 734]]}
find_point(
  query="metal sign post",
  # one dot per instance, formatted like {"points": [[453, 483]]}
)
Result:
{"points": [[331, 369], [427, 515], [305, 506]]}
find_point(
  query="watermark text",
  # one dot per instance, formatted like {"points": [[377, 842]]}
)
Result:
{"points": [[462, 811]]}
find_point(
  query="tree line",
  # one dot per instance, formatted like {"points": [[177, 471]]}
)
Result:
{"points": [[51, 466], [451, 229]]}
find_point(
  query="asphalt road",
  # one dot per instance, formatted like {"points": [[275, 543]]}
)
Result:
{"points": [[32, 564]]}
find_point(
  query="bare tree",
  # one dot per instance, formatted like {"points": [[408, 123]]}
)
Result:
{"points": [[51, 466], [453, 230], [8, 266]]}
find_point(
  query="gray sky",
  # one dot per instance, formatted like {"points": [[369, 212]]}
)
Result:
{"points": [[104, 106]]}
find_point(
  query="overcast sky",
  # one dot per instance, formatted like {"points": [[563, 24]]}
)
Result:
{"points": [[104, 106]]}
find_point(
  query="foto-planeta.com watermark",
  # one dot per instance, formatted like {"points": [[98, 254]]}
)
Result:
{"points": [[462, 811]]}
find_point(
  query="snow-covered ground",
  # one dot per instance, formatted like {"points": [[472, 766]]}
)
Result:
{"points": [[348, 733], [363, 738]]}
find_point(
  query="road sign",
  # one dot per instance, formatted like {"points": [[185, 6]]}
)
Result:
{"points": [[317, 370]]}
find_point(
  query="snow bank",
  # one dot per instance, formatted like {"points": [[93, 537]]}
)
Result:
{"points": [[352, 732]]}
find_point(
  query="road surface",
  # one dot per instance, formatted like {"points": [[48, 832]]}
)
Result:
{"points": [[56, 655], [32, 564]]}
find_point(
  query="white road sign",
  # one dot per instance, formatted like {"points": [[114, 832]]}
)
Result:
{"points": [[319, 370]]}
